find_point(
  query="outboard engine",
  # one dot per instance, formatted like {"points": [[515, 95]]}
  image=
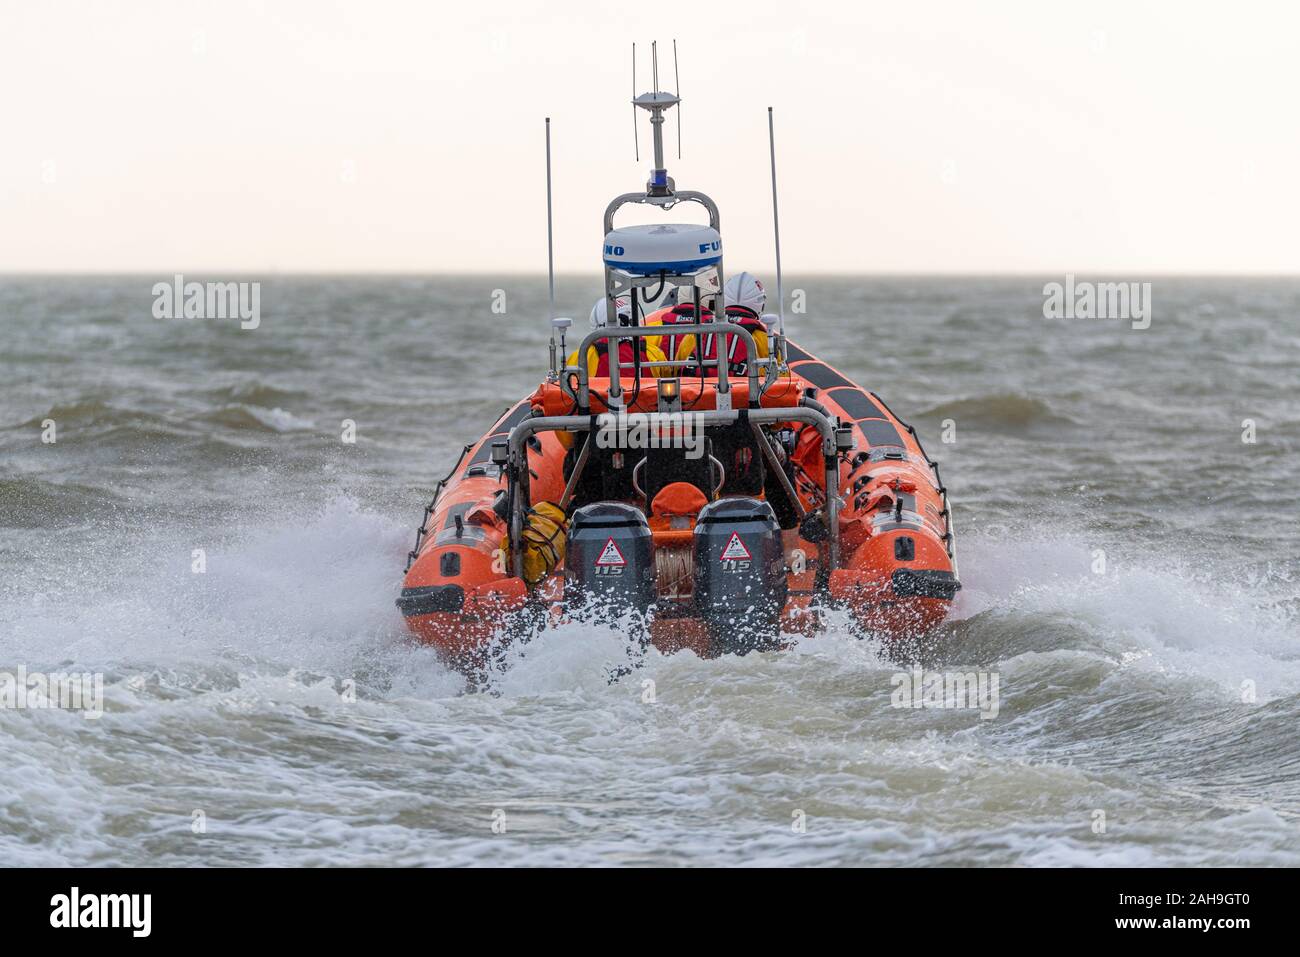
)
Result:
{"points": [[740, 582], [609, 560]]}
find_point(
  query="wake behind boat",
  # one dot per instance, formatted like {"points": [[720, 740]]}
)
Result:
{"points": [[687, 465]]}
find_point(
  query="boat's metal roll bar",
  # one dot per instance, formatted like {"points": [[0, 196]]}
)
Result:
{"points": [[665, 195], [518, 468], [679, 329], [667, 201]]}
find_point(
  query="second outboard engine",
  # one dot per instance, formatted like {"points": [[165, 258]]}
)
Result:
{"points": [[740, 583], [608, 561]]}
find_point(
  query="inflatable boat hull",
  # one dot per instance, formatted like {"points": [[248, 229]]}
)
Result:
{"points": [[896, 572]]}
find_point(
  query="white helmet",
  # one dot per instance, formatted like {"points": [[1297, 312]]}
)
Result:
{"points": [[600, 312], [743, 289]]}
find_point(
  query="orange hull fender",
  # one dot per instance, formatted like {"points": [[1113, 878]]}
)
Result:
{"points": [[468, 564], [858, 589], [904, 618], [853, 533], [887, 555], [495, 600], [879, 608], [463, 632], [899, 583], [454, 635]]}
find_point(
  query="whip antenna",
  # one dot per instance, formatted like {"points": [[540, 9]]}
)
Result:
{"points": [[550, 255], [776, 228], [636, 141], [550, 243], [677, 79]]}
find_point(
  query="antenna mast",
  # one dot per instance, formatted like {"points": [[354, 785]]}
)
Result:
{"points": [[776, 231], [550, 242], [550, 258], [655, 102], [677, 82]]}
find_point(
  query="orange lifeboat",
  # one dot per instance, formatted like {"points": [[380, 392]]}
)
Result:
{"points": [[889, 558], [687, 466]]}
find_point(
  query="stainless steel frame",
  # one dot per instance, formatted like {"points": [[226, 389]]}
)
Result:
{"points": [[752, 361], [517, 461], [617, 281]]}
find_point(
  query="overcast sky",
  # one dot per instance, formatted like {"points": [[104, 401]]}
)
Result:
{"points": [[303, 135]]}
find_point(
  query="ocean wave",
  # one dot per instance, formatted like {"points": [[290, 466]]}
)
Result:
{"points": [[258, 418], [254, 394], [1000, 412], [33, 502], [244, 667]]}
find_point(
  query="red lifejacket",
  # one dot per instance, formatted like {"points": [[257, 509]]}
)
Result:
{"points": [[682, 313], [625, 357], [735, 348]]}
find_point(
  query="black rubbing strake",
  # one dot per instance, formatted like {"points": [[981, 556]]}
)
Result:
{"points": [[925, 583], [483, 454], [880, 432], [822, 376], [513, 419], [428, 599], [856, 404]]}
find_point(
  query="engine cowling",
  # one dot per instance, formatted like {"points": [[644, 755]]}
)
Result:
{"points": [[609, 559], [740, 581]]}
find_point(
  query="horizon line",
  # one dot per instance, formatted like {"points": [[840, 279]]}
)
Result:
{"points": [[475, 274]]}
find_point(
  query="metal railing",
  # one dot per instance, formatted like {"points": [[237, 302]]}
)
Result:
{"points": [[667, 201], [518, 469], [698, 329]]}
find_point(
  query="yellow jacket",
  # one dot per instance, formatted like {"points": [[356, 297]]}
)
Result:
{"points": [[653, 354], [737, 347]]}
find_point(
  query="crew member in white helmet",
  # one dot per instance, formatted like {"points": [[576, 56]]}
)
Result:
{"points": [[744, 296], [600, 312], [598, 355], [745, 299]]}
